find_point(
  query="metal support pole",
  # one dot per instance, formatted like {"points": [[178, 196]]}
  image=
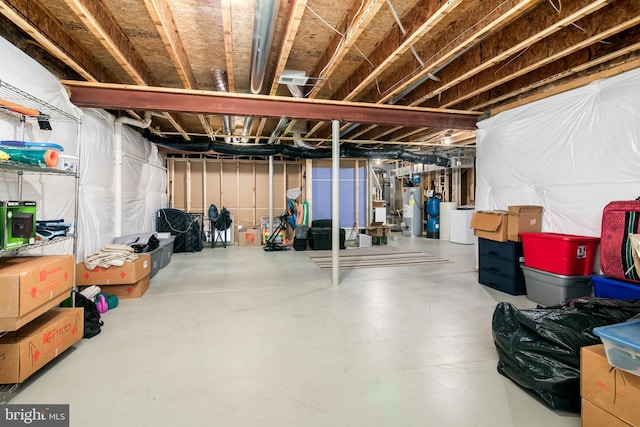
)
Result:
{"points": [[270, 195], [335, 197]]}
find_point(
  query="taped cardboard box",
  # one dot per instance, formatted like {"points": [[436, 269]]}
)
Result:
{"points": [[129, 273], [490, 225], [30, 285], [30, 348], [615, 391], [132, 290], [523, 219]]}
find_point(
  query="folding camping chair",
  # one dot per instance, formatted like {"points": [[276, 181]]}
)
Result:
{"points": [[220, 225]]}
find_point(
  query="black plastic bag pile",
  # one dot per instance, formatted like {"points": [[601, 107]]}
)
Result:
{"points": [[539, 349]]}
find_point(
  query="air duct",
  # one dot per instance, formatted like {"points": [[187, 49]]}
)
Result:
{"points": [[263, 29], [288, 151], [220, 79]]}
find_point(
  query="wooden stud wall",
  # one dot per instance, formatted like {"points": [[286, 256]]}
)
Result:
{"points": [[241, 186]]}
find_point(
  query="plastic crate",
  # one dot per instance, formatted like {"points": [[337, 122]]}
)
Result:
{"points": [[622, 345], [564, 254], [551, 289], [606, 287]]}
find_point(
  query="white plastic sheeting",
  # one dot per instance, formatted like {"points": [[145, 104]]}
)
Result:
{"points": [[144, 177], [571, 153]]}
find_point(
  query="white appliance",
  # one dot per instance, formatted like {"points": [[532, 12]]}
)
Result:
{"points": [[460, 230], [412, 211]]}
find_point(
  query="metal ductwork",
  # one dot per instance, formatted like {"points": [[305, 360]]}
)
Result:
{"points": [[263, 29], [220, 79]]}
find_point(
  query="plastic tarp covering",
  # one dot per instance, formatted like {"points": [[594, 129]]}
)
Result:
{"points": [[539, 349], [571, 153], [144, 179]]}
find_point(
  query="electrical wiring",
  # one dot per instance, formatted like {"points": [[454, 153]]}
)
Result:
{"points": [[446, 46], [343, 35]]}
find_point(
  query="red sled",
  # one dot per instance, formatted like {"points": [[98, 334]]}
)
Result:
{"points": [[619, 219]]}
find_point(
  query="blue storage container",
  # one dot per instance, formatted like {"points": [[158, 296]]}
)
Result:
{"points": [[622, 345], [606, 287]]}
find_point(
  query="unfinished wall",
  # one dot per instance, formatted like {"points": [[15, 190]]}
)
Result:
{"points": [[241, 186]]}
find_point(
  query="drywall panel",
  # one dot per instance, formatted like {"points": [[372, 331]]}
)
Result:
{"points": [[212, 184], [196, 178], [247, 194], [179, 184], [279, 189], [262, 185], [229, 184]]}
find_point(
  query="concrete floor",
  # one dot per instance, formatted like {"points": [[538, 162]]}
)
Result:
{"points": [[243, 337]]}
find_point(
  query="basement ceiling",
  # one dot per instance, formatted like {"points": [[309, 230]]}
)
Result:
{"points": [[457, 57]]}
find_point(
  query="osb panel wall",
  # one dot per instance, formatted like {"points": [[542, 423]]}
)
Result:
{"points": [[240, 186]]}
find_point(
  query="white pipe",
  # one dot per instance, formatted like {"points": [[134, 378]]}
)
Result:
{"points": [[335, 197], [144, 161], [117, 165]]}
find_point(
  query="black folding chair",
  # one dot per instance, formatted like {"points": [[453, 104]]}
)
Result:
{"points": [[220, 225]]}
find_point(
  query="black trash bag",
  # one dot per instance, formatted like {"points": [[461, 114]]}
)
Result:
{"points": [[539, 349]]}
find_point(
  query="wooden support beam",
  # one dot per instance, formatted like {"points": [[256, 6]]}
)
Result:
{"points": [[424, 16], [599, 26], [293, 24], [353, 24], [464, 33], [162, 17], [38, 23], [228, 42], [99, 21], [510, 45]]}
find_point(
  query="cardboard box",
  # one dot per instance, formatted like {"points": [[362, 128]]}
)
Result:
{"points": [[129, 273], [615, 391], [595, 416], [30, 348], [490, 225], [378, 204], [523, 219], [133, 290], [31, 285], [378, 229], [249, 237]]}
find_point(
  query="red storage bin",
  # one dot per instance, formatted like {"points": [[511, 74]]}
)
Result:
{"points": [[564, 254]]}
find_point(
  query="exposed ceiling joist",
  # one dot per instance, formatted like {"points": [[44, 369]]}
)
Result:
{"points": [[228, 42], [460, 55], [49, 32], [355, 22], [293, 24]]}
